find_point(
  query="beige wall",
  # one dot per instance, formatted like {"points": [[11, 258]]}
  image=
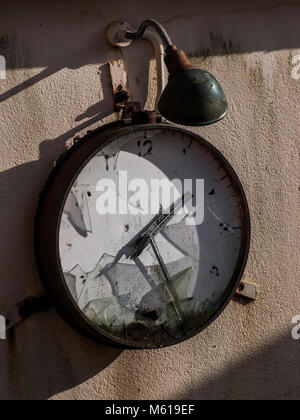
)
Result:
{"points": [[57, 87]]}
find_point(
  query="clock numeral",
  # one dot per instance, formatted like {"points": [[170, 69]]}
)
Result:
{"points": [[111, 161], [106, 157], [188, 147], [147, 144]]}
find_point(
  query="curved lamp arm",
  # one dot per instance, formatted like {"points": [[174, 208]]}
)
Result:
{"points": [[155, 25], [192, 96], [159, 50], [121, 34]]}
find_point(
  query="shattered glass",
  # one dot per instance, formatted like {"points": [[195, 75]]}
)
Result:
{"points": [[148, 310], [131, 299]]}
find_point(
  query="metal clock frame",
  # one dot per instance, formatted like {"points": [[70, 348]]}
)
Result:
{"points": [[49, 213]]}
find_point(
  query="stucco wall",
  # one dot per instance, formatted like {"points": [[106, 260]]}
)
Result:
{"points": [[57, 87]]}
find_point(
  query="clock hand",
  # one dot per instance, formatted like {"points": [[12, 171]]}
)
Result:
{"points": [[130, 249], [136, 246], [167, 278], [158, 223]]}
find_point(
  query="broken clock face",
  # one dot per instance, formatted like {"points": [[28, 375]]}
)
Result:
{"points": [[142, 235]]}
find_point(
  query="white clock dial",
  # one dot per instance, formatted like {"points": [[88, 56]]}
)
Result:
{"points": [[155, 287]]}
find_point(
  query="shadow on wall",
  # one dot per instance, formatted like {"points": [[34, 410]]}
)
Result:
{"points": [[260, 376], [43, 356], [226, 28]]}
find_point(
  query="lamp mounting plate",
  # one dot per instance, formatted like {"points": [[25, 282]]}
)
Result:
{"points": [[116, 32]]}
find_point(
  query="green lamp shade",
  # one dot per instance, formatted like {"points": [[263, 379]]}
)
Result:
{"points": [[193, 98]]}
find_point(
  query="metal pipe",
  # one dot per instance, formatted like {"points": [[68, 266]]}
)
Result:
{"points": [[155, 25], [159, 50]]}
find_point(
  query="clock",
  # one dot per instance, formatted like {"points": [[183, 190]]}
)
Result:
{"points": [[142, 235]]}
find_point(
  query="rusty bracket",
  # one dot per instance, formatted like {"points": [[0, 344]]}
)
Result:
{"points": [[41, 303], [247, 290], [133, 114], [119, 84], [121, 98], [131, 111], [23, 310]]}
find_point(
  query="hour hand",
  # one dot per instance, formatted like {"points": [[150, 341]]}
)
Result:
{"points": [[159, 222]]}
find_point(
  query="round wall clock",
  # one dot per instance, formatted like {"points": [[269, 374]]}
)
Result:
{"points": [[142, 235]]}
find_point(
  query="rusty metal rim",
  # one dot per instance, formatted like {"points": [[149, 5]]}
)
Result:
{"points": [[48, 217], [196, 123]]}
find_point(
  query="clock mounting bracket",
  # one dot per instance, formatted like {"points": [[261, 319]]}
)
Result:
{"points": [[41, 303]]}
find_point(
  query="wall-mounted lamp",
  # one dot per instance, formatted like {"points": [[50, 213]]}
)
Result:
{"points": [[192, 96]]}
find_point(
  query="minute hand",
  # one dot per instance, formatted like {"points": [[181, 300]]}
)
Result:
{"points": [[160, 221]]}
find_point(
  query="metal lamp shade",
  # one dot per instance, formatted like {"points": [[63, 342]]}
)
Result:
{"points": [[193, 98]]}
